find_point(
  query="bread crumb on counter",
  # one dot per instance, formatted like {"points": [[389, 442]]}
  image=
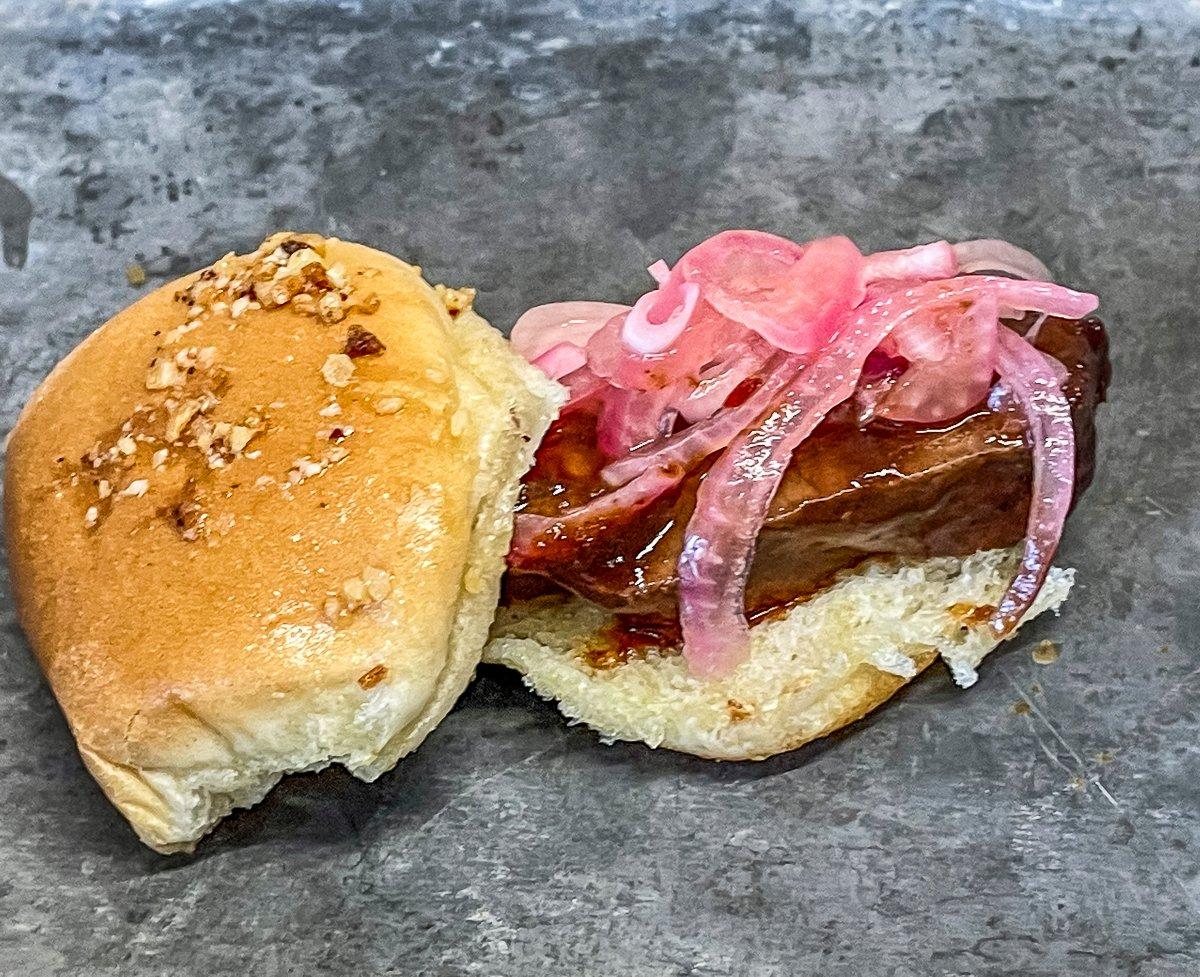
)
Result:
{"points": [[1046, 652]]}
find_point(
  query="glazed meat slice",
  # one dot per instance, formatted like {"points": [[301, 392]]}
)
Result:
{"points": [[851, 492]]}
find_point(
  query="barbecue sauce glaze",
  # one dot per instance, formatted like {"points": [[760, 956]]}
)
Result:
{"points": [[852, 492]]}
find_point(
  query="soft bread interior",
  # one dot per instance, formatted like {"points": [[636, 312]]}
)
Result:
{"points": [[824, 664]]}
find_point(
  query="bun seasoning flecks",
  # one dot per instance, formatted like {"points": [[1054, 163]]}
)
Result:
{"points": [[180, 419]]}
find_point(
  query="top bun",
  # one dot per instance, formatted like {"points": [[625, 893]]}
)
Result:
{"points": [[257, 523]]}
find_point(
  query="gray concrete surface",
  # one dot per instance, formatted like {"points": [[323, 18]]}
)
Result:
{"points": [[544, 150]]}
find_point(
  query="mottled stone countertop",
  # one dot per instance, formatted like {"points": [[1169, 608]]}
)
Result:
{"points": [[1044, 823]]}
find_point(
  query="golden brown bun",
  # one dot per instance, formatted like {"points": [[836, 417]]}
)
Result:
{"points": [[262, 585], [822, 665]]}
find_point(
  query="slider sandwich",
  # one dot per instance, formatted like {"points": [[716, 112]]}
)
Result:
{"points": [[258, 521], [790, 477]]}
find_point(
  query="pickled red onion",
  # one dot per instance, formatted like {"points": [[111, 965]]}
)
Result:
{"points": [[611, 357], [560, 359], [1037, 386], [708, 436], [925, 262], [719, 381], [732, 501], [989, 254], [531, 531], [947, 330], [802, 319], [878, 378], [1023, 296], [790, 294], [580, 385], [1012, 295], [545, 326], [631, 418], [657, 318], [951, 354]]}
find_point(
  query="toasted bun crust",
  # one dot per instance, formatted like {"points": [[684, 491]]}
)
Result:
{"points": [[826, 663], [238, 579]]}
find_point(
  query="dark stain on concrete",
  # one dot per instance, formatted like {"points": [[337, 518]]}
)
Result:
{"points": [[16, 213]]}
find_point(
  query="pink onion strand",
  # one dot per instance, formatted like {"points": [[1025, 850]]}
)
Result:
{"points": [[790, 294], [708, 436], [1036, 384], [560, 360], [533, 531], [546, 326], [923, 263], [658, 318], [992, 255], [732, 501], [951, 352], [631, 418]]}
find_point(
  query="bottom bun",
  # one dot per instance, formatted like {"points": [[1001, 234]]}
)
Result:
{"points": [[824, 664]]}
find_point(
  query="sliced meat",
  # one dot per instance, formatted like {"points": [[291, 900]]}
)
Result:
{"points": [[851, 492]]}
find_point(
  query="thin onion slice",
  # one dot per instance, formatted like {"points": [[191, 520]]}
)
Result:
{"points": [[708, 436], [658, 318], [609, 356], [533, 532], [546, 326], [581, 385], [879, 376], [991, 254], [560, 359], [947, 331], [1036, 384], [718, 382], [631, 418], [791, 294], [925, 262], [951, 354], [928, 262], [1033, 296], [732, 501]]}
